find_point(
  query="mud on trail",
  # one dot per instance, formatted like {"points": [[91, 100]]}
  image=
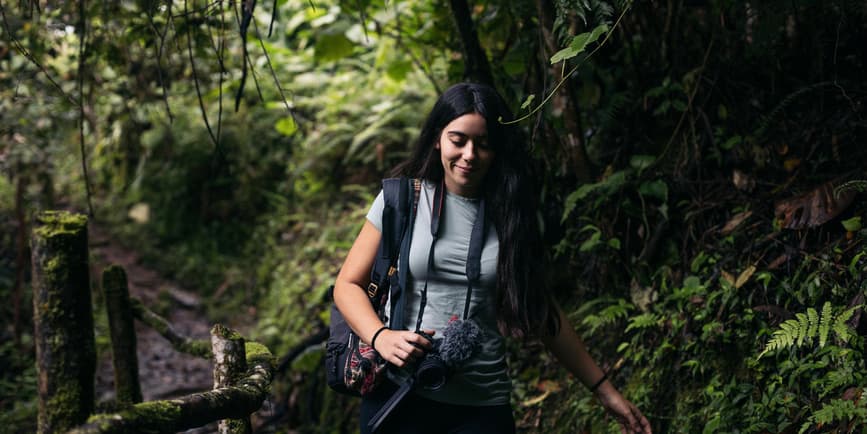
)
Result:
{"points": [[163, 372]]}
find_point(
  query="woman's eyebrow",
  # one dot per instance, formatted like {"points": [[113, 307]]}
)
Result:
{"points": [[463, 134]]}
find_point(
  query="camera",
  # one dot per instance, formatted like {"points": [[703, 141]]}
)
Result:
{"points": [[431, 372], [461, 339]]}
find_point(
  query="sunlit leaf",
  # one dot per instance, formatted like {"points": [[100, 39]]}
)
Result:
{"points": [[332, 46], [579, 43], [853, 224], [286, 126], [528, 101]]}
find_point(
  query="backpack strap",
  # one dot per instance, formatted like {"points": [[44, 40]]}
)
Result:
{"points": [[395, 219], [398, 300]]}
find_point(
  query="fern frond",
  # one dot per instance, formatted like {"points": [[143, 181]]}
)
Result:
{"points": [[803, 324], [806, 327], [814, 321], [825, 324], [787, 101], [642, 321], [838, 410]]}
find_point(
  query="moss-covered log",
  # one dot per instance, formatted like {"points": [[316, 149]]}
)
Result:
{"points": [[195, 347], [63, 320], [229, 364], [123, 339], [194, 410]]}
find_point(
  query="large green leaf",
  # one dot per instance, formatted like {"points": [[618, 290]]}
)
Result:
{"points": [[579, 43], [332, 46]]}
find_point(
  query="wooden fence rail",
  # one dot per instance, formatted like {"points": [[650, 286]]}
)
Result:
{"points": [[66, 356]]}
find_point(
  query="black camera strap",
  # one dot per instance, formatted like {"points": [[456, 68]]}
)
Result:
{"points": [[474, 255]]}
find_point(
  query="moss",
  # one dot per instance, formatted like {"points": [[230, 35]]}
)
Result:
{"points": [[53, 223], [63, 408], [257, 352], [162, 413], [152, 416], [225, 332], [238, 425]]}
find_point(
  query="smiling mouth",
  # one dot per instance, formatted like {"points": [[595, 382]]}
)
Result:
{"points": [[464, 169]]}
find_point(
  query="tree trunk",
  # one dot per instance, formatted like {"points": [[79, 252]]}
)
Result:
{"points": [[229, 363], [123, 340], [572, 143], [477, 68], [20, 255], [63, 320]]}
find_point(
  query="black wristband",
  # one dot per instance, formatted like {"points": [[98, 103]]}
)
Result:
{"points": [[599, 383], [375, 335]]}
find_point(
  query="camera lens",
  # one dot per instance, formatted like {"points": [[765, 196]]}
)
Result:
{"points": [[431, 373]]}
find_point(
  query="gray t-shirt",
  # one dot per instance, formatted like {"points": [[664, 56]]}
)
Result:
{"points": [[484, 379]]}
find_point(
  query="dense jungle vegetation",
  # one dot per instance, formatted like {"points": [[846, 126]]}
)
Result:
{"points": [[702, 165]]}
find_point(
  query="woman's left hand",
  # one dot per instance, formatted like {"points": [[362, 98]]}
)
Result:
{"points": [[628, 416]]}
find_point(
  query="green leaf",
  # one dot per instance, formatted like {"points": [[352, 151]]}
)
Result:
{"points": [[591, 242], [398, 70], [332, 46], [528, 101], [657, 189], [579, 43], [731, 142], [286, 126], [853, 224], [641, 162]]}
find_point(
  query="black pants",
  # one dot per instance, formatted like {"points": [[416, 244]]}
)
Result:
{"points": [[417, 415]]}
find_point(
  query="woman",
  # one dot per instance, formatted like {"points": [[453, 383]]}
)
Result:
{"points": [[471, 165]]}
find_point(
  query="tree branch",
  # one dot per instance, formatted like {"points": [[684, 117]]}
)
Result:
{"points": [[196, 347], [476, 63], [20, 48]]}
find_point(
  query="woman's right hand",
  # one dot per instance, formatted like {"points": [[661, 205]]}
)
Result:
{"points": [[400, 347]]}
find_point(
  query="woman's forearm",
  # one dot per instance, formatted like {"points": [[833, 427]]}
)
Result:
{"points": [[353, 303], [570, 350]]}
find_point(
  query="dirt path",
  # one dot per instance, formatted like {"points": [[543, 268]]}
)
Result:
{"points": [[163, 372]]}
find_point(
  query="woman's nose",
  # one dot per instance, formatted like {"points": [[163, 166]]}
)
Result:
{"points": [[469, 151]]}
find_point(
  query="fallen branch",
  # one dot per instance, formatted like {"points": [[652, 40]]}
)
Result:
{"points": [[194, 410], [195, 347]]}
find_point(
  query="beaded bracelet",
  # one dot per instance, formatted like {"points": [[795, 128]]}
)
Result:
{"points": [[375, 335]]}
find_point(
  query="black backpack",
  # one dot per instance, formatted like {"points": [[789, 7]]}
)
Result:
{"points": [[351, 366]]}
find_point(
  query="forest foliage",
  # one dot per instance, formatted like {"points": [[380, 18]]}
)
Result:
{"points": [[701, 165]]}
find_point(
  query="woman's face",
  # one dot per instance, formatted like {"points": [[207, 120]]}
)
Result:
{"points": [[465, 154]]}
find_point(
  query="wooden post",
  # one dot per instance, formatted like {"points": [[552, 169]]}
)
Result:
{"points": [[123, 339], [230, 364], [62, 320]]}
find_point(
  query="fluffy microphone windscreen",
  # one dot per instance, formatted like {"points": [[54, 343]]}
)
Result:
{"points": [[461, 339]]}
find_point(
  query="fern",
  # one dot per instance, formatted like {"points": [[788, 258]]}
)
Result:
{"points": [[606, 316], [787, 101], [806, 327], [825, 324], [838, 410], [643, 321]]}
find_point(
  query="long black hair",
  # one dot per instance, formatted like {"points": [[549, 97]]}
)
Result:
{"points": [[523, 304]]}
